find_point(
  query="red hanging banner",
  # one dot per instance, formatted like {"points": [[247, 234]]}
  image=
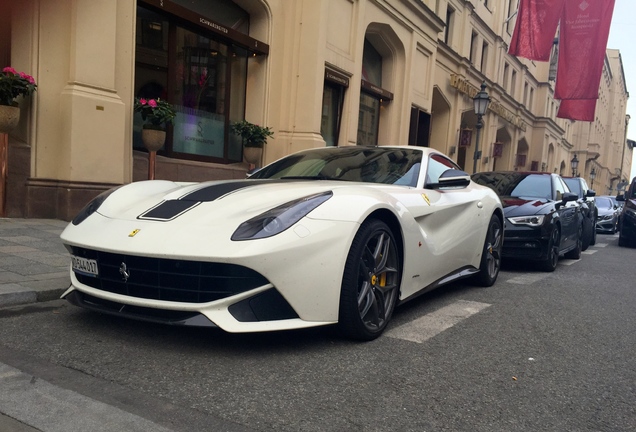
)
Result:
{"points": [[536, 28], [577, 109], [582, 43]]}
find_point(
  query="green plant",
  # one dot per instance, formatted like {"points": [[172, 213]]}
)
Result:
{"points": [[14, 84], [253, 135], [155, 112]]}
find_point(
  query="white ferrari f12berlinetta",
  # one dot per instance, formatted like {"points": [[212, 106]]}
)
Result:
{"points": [[336, 235]]}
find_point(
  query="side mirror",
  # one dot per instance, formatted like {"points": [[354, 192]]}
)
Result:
{"points": [[590, 193], [569, 197], [620, 197], [452, 178]]}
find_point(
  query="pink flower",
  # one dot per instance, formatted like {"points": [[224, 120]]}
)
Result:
{"points": [[9, 69], [152, 103], [30, 79], [142, 101]]}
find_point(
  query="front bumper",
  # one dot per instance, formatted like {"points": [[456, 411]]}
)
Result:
{"points": [[523, 242], [628, 224], [606, 225], [299, 273]]}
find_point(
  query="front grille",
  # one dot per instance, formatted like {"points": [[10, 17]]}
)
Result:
{"points": [[167, 279], [529, 248]]}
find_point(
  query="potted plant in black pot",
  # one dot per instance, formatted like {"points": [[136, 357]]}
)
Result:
{"points": [[254, 138]]}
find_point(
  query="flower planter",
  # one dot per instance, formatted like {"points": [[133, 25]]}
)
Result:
{"points": [[153, 139], [9, 118], [252, 155]]}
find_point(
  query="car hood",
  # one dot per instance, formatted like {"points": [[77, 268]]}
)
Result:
{"points": [[212, 202], [604, 211], [517, 206]]}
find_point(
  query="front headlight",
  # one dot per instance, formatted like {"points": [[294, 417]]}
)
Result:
{"points": [[533, 221], [278, 219], [92, 206]]}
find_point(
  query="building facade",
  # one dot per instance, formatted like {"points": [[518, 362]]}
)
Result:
{"points": [[318, 72]]}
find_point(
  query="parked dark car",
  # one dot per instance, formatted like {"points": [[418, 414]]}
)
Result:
{"points": [[542, 217], [607, 221], [587, 202], [627, 220]]}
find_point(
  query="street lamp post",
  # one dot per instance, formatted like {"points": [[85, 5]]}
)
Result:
{"points": [[592, 177], [575, 164], [481, 101]]}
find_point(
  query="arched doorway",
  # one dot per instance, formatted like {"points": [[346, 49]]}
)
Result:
{"points": [[440, 121], [466, 142], [521, 158], [550, 165], [382, 51], [501, 150]]}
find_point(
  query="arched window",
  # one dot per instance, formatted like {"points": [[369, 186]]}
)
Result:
{"points": [[372, 95]]}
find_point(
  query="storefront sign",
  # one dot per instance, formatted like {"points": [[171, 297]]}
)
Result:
{"points": [[336, 77], [465, 137], [375, 90], [470, 90], [226, 33]]}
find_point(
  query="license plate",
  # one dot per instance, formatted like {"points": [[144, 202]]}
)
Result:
{"points": [[84, 266]]}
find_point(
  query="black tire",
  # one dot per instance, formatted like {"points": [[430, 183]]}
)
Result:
{"points": [[593, 241], [550, 263], [371, 282], [575, 253], [588, 228], [491, 255]]}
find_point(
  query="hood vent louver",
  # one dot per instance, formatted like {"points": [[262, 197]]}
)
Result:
{"points": [[171, 209]]}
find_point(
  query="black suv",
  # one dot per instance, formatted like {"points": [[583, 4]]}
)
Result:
{"points": [[627, 221], [586, 195]]}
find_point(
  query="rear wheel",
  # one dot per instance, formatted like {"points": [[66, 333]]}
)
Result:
{"points": [[550, 263], [576, 252], [371, 282], [491, 255], [588, 228]]}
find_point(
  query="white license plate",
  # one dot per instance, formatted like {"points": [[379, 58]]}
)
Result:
{"points": [[84, 266]]}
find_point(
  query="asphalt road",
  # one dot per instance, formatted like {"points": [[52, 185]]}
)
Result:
{"points": [[536, 352]]}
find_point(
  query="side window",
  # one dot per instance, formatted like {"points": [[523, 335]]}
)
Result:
{"points": [[437, 164], [561, 188], [585, 187]]}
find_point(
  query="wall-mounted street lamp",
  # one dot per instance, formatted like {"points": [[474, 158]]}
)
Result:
{"points": [[481, 101], [575, 164], [592, 177]]}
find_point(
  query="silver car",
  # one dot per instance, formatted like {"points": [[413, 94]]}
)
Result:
{"points": [[607, 220]]}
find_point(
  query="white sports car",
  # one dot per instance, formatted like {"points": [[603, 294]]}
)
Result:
{"points": [[323, 236]]}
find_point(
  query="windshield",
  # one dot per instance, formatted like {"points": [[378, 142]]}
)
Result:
{"points": [[517, 185], [604, 203], [574, 186], [356, 164]]}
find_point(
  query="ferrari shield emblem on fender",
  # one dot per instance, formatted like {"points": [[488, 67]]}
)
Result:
{"points": [[426, 198], [134, 233]]}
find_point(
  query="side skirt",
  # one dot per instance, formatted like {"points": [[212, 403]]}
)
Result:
{"points": [[461, 273]]}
